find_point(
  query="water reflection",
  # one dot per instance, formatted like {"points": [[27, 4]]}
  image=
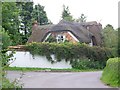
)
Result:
{"points": [[25, 59]]}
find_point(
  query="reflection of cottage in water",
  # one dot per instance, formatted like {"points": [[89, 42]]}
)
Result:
{"points": [[86, 32]]}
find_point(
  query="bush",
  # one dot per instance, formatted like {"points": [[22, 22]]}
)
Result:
{"points": [[111, 73], [70, 51], [6, 84], [85, 64], [6, 57]]}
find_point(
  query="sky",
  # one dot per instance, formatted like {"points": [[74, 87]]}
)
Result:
{"points": [[102, 11]]}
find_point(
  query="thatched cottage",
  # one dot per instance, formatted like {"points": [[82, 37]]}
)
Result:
{"points": [[86, 32]]}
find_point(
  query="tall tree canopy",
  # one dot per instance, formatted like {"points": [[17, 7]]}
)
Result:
{"points": [[10, 20], [66, 15], [25, 16], [9, 16], [40, 15], [110, 37], [17, 18]]}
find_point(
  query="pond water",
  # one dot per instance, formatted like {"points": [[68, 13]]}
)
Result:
{"points": [[25, 59]]}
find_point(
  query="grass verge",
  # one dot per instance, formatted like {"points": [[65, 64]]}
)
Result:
{"points": [[48, 69]]}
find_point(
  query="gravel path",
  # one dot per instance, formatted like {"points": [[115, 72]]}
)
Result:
{"points": [[58, 79]]}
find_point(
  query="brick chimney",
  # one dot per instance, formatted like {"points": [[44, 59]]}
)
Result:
{"points": [[34, 25]]}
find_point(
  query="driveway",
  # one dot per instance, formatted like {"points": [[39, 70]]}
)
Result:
{"points": [[58, 79]]}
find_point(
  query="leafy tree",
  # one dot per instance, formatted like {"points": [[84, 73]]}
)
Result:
{"points": [[17, 19], [10, 21], [82, 18], [40, 15], [66, 15], [9, 16], [119, 42], [110, 37], [25, 16]]}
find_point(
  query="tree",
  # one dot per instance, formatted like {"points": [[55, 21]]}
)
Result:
{"points": [[9, 16], [25, 16], [110, 37], [82, 18], [40, 15], [10, 21], [119, 42], [66, 15]]}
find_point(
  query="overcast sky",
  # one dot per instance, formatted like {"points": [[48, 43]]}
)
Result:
{"points": [[103, 11]]}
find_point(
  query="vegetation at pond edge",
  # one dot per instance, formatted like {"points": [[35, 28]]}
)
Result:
{"points": [[111, 73], [78, 54]]}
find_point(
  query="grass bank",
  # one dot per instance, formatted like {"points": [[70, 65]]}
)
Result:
{"points": [[111, 73]]}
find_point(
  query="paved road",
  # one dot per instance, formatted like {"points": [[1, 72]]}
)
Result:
{"points": [[59, 79]]}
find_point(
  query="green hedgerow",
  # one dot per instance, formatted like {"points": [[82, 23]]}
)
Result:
{"points": [[70, 51], [111, 73]]}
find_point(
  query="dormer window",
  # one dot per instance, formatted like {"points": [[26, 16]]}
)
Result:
{"points": [[60, 38]]}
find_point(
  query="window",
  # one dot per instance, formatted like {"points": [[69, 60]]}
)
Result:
{"points": [[60, 38]]}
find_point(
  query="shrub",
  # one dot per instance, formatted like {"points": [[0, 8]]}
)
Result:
{"points": [[111, 73], [6, 57], [6, 84], [70, 51], [85, 64]]}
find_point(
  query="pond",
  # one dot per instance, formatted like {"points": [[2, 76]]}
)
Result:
{"points": [[25, 59]]}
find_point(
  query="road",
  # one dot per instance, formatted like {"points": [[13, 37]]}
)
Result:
{"points": [[58, 79]]}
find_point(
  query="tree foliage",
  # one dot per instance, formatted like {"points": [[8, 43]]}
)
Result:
{"points": [[110, 37], [5, 39], [10, 21], [25, 16], [17, 18], [82, 18], [10, 16], [119, 42], [40, 15], [66, 15]]}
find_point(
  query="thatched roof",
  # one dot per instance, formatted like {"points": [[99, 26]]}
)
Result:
{"points": [[82, 34], [77, 29], [38, 33]]}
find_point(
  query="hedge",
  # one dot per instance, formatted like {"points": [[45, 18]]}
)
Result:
{"points": [[69, 51], [87, 64], [111, 73]]}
